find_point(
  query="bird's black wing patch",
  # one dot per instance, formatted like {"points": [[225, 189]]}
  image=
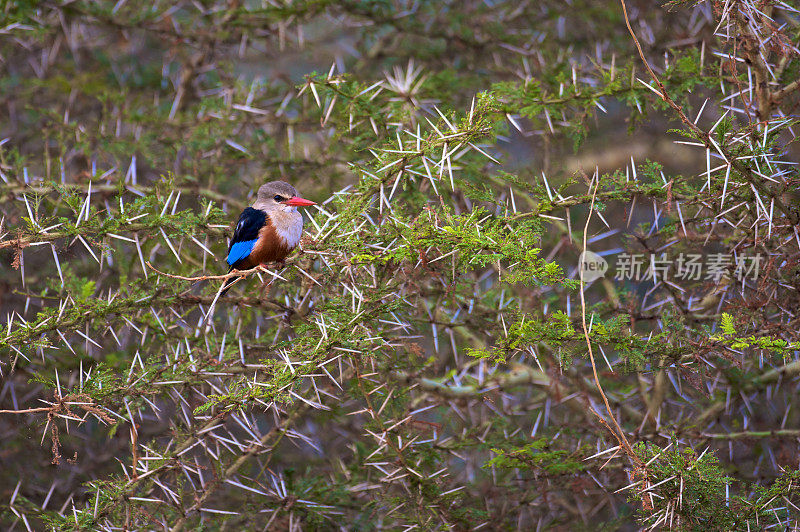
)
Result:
{"points": [[245, 235]]}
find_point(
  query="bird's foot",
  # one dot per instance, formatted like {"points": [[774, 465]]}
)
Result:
{"points": [[279, 264], [266, 285]]}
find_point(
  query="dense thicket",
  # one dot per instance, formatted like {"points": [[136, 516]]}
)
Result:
{"points": [[430, 357]]}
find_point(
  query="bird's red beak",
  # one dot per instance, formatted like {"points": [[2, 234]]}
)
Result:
{"points": [[297, 201]]}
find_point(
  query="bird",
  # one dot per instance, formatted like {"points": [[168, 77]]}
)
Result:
{"points": [[268, 231]]}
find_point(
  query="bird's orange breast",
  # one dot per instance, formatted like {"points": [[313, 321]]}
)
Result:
{"points": [[269, 247]]}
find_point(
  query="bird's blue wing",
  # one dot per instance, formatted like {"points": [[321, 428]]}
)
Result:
{"points": [[239, 251], [245, 235]]}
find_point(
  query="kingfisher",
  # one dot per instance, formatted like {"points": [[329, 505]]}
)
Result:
{"points": [[269, 230]]}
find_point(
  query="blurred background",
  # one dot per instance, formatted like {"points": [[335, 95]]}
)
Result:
{"points": [[134, 132]]}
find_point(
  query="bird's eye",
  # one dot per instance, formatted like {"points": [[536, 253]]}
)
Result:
{"points": [[279, 198]]}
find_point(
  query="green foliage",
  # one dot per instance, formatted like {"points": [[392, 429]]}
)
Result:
{"points": [[698, 493], [776, 345], [539, 457], [696, 483]]}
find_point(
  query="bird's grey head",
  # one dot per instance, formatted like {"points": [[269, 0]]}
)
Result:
{"points": [[272, 196]]}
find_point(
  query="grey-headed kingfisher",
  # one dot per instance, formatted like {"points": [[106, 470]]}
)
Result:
{"points": [[269, 230]]}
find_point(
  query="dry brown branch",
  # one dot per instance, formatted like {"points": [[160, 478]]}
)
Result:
{"points": [[753, 57], [61, 408], [780, 94]]}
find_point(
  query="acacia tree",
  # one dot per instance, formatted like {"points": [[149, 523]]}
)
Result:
{"points": [[430, 357]]}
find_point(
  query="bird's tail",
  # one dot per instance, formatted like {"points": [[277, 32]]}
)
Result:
{"points": [[226, 286]]}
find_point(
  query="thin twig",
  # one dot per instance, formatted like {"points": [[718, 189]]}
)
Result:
{"points": [[224, 277], [618, 433], [26, 411]]}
